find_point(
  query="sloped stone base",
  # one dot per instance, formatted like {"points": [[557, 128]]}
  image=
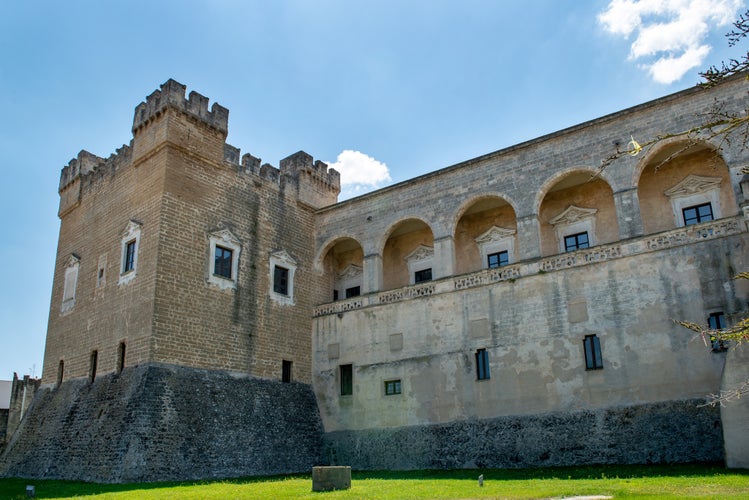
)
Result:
{"points": [[160, 422], [670, 432]]}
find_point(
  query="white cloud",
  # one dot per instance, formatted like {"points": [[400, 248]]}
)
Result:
{"points": [[669, 34], [359, 173]]}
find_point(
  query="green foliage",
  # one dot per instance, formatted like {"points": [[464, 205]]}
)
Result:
{"points": [[627, 481]]}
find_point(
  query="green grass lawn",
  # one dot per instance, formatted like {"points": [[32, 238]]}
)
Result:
{"points": [[655, 481]]}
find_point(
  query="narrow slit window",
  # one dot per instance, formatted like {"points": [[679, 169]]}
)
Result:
{"points": [[347, 380], [120, 357], [92, 366], [286, 371], [482, 365], [593, 358], [60, 372], [717, 321]]}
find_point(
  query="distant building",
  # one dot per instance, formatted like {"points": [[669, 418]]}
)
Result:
{"points": [[214, 316]]}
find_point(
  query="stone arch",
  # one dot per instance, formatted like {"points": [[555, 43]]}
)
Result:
{"points": [[680, 174], [578, 204], [484, 225], [341, 262], [405, 248]]}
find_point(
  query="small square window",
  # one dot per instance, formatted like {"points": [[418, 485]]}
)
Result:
{"points": [[129, 262], [222, 262], [482, 365], [593, 359], [717, 321], [392, 387], [576, 241], [354, 291], [281, 280], [347, 380], [423, 275], [286, 371], [697, 214], [498, 259]]}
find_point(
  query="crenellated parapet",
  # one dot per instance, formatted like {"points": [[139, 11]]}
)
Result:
{"points": [[318, 185], [79, 166], [172, 95]]}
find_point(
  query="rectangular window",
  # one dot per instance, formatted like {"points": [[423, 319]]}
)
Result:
{"points": [[222, 262], [593, 359], [335, 294], [347, 380], [697, 214], [281, 280], [354, 291], [129, 264], [286, 371], [482, 365], [498, 259], [717, 321], [423, 275], [392, 387], [576, 241]]}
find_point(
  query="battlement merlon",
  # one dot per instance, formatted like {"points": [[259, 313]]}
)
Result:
{"points": [[172, 95], [301, 163], [81, 165]]}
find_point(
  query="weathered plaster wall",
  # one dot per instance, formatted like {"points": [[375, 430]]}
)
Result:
{"points": [[533, 328]]}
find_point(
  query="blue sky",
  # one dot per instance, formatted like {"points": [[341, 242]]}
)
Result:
{"points": [[392, 89]]}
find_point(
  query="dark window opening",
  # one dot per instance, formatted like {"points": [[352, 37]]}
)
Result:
{"points": [[593, 359], [697, 214], [354, 291], [60, 372], [423, 275], [281, 280], [717, 321], [347, 380], [222, 262], [129, 263], [92, 366], [576, 241], [286, 371], [482, 365], [120, 357], [335, 294], [392, 387], [498, 259], [100, 277]]}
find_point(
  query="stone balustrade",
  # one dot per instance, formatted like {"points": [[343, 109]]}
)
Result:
{"points": [[661, 241]]}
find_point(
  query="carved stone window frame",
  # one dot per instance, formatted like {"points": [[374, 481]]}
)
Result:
{"points": [[281, 258], [224, 239], [694, 190], [575, 220], [351, 276], [131, 234], [420, 259], [70, 283], [495, 240]]}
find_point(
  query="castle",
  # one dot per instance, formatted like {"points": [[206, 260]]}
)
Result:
{"points": [[212, 316]]}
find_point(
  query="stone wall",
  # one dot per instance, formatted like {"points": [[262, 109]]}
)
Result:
{"points": [[160, 422], [672, 432]]}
